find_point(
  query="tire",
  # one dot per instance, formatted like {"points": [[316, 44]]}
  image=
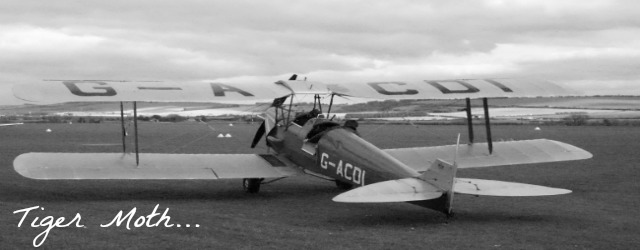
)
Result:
{"points": [[251, 185]]}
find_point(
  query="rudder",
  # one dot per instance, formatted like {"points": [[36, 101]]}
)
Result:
{"points": [[442, 175]]}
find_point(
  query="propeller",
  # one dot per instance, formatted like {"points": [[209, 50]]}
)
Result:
{"points": [[272, 118], [261, 130]]}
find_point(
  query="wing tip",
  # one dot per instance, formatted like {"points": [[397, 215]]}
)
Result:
{"points": [[576, 152], [21, 165]]}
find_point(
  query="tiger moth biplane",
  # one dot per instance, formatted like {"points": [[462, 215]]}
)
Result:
{"points": [[312, 143]]}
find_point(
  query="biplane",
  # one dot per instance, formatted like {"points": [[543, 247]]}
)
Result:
{"points": [[312, 143]]}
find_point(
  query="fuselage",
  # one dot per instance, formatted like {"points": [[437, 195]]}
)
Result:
{"points": [[339, 153]]}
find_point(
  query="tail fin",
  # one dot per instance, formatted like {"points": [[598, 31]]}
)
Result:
{"points": [[443, 175]]}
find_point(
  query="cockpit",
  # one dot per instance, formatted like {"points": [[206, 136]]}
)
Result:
{"points": [[316, 125], [319, 129], [302, 119]]}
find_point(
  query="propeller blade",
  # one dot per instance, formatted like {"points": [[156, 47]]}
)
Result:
{"points": [[259, 134]]}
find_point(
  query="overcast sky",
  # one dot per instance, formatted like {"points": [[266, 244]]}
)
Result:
{"points": [[590, 44]]}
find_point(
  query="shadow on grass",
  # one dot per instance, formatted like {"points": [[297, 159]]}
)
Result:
{"points": [[380, 215]]}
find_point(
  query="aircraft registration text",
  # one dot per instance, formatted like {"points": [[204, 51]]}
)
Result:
{"points": [[96, 88], [444, 86], [344, 169]]}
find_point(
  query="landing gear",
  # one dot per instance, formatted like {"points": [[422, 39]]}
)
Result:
{"points": [[343, 185], [251, 185], [450, 214]]}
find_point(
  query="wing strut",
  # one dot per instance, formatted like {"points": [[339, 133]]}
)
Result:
{"points": [[316, 99], [469, 120], [330, 104], [487, 124], [124, 133], [135, 126], [288, 113]]}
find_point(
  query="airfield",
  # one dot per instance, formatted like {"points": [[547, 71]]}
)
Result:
{"points": [[294, 213]]}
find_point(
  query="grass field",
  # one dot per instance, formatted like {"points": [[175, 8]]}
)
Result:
{"points": [[602, 212]]}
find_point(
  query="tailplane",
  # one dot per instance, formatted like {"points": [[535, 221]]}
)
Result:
{"points": [[436, 181], [502, 188], [432, 189], [435, 188], [401, 190]]}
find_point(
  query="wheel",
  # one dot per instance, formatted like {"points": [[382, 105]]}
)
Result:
{"points": [[450, 214], [343, 185], [251, 185]]}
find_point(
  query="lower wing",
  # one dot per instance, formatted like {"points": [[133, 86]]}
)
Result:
{"points": [[504, 153], [152, 166], [10, 124]]}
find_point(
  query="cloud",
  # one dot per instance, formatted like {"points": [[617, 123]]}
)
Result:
{"points": [[326, 40]]}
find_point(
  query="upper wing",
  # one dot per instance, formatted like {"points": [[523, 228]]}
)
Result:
{"points": [[504, 153], [453, 89], [110, 91], [117, 91], [152, 166]]}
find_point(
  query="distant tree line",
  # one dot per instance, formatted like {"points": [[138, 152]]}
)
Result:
{"points": [[384, 115], [585, 120], [571, 120], [385, 105], [576, 120]]}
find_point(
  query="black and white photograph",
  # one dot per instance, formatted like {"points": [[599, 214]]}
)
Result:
{"points": [[465, 124]]}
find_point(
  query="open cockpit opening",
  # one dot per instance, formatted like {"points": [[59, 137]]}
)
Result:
{"points": [[322, 127]]}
